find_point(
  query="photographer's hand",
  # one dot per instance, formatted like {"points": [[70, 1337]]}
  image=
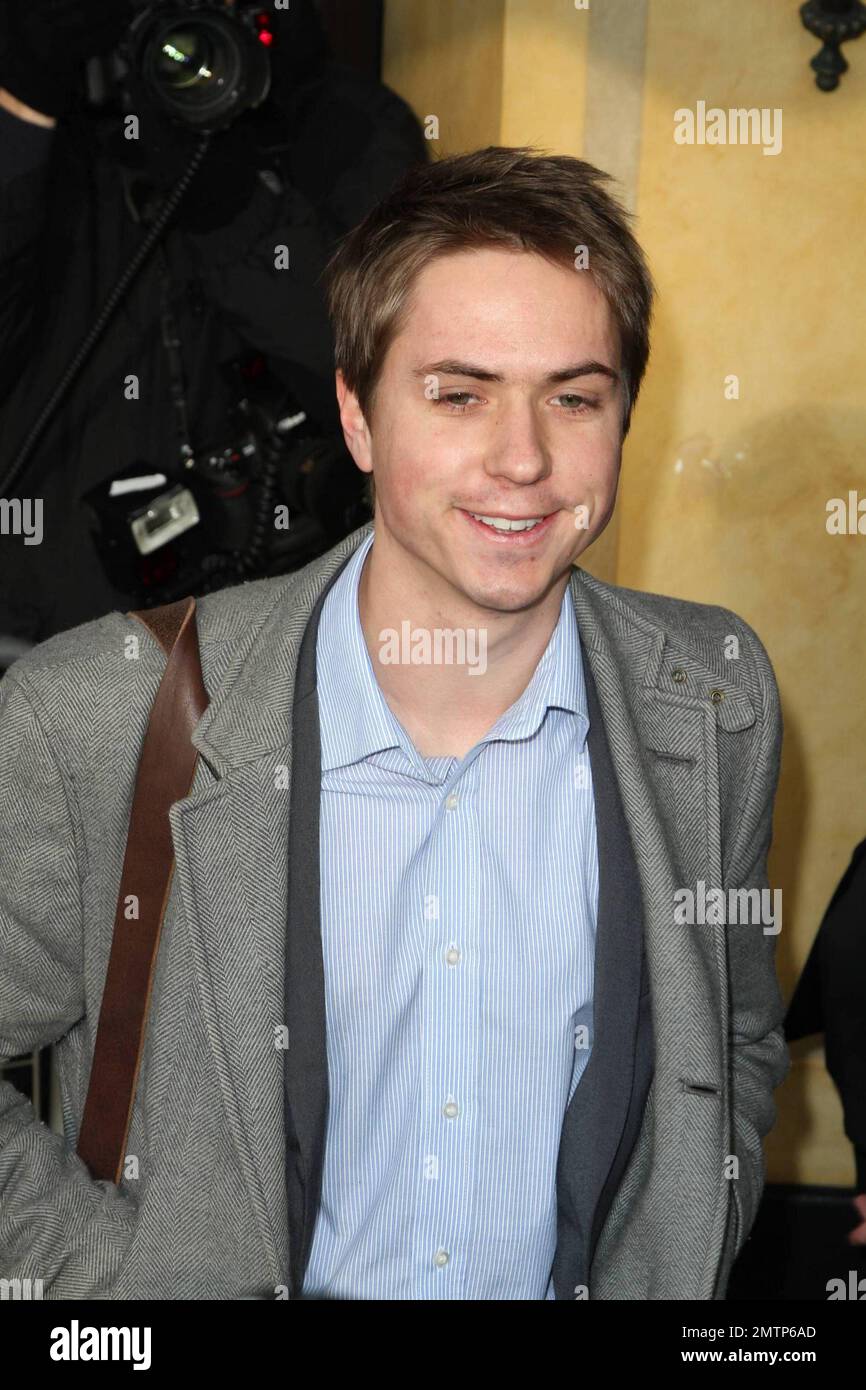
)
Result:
{"points": [[25, 113], [47, 44]]}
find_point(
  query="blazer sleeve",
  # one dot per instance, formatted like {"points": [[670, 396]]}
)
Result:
{"points": [[759, 1059], [56, 1223]]}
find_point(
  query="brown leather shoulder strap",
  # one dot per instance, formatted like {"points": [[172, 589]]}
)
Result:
{"points": [[165, 773], [166, 622]]}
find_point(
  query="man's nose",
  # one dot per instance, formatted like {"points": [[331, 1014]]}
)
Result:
{"points": [[519, 450]]}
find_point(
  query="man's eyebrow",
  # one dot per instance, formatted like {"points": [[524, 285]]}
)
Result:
{"points": [[452, 367]]}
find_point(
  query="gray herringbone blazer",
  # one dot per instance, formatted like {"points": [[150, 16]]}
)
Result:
{"points": [[225, 1147]]}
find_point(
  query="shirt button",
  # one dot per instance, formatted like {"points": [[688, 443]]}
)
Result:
{"points": [[452, 955], [440, 1259], [451, 1110], [451, 801]]}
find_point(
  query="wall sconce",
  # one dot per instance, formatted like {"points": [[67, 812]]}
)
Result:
{"points": [[834, 22]]}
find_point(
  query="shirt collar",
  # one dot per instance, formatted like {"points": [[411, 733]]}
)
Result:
{"points": [[355, 719]]}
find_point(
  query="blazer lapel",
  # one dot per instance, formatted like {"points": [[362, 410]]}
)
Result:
{"points": [[664, 756], [612, 1085], [231, 865], [306, 1074], [231, 839]]}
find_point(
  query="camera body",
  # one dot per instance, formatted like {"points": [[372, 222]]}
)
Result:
{"points": [[202, 62], [267, 496]]}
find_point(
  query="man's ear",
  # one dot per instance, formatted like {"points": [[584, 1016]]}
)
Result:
{"points": [[355, 431]]}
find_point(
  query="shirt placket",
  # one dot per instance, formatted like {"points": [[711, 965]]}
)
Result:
{"points": [[449, 1122]]}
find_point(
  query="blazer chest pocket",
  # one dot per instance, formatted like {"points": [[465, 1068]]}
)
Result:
{"points": [[680, 755]]}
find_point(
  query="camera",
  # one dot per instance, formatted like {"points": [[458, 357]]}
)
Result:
{"points": [[203, 63], [266, 497], [218, 512]]}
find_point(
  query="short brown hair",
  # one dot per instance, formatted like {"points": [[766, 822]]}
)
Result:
{"points": [[517, 198]]}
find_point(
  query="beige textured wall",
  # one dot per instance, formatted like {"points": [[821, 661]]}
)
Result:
{"points": [[759, 264]]}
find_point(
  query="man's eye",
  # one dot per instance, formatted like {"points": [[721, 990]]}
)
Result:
{"points": [[458, 401]]}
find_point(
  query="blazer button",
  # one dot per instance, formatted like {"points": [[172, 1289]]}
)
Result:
{"points": [[717, 696], [678, 675]]}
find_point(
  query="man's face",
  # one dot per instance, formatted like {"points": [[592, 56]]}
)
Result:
{"points": [[481, 407]]}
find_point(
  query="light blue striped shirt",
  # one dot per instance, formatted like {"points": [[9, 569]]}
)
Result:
{"points": [[459, 900]]}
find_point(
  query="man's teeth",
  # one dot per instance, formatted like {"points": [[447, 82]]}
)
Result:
{"points": [[502, 524]]}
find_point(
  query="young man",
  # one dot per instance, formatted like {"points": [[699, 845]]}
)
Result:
{"points": [[452, 795]]}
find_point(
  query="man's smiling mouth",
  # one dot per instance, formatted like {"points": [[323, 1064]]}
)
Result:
{"points": [[509, 530]]}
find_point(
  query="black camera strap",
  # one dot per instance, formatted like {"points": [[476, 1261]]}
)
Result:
{"points": [[94, 335], [171, 341], [139, 199]]}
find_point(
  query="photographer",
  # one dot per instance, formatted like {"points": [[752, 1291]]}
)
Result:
{"points": [[228, 300]]}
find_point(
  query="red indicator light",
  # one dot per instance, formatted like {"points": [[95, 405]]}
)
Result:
{"points": [[266, 37]]}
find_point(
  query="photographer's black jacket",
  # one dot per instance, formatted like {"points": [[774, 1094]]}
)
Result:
{"points": [[66, 232], [830, 998]]}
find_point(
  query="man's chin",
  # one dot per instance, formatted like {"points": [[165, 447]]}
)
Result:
{"points": [[497, 581], [500, 593]]}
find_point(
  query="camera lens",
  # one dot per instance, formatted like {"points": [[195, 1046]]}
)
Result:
{"points": [[203, 67], [183, 58], [196, 66]]}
